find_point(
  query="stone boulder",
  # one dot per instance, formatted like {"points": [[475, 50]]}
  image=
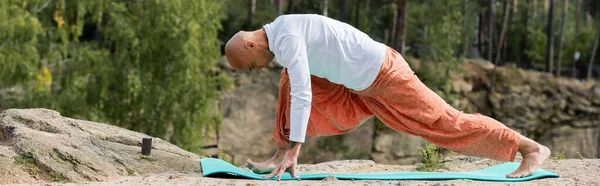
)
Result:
{"points": [[393, 147], [41, 145]]}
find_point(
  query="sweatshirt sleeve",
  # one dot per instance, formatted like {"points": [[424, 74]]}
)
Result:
{"points": [[293, 52]]}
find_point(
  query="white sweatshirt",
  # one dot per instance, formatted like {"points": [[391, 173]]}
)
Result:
{"points": [[326, 48]]}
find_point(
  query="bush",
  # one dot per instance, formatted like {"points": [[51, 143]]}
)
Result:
{"points": [[147, 65]]}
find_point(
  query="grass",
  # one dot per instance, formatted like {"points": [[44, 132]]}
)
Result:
{"points": [[26, 158], [28, 162], [452, 153], [580, 156], [59, 178], [33, 171], [432, 159], [221, 154], [147, 158], [130, 172], [559, 156]]}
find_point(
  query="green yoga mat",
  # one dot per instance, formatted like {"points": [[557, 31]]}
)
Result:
{"points": [[212, 167]]}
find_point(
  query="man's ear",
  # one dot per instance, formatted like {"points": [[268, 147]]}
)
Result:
{"points": [[249, 44]]}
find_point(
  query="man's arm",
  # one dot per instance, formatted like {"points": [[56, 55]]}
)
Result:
{"points": [[293, 51]]}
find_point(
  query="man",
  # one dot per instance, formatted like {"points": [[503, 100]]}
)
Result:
{"points": [[335, 77]]}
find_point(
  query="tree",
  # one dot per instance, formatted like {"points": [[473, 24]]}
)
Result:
{"points": [[325, 3], [550, 37], [525, 61], [290, 8], [251, 10], [279, 5], [357, 14], [500, 45], [562, 38], [465, 27], [343, 7], [594, 50], [491, 23], [400, 28], [577, 36], [148, 66]]}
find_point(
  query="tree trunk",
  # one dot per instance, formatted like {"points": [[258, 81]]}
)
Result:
{"points": [[325, 3], [480, 34], [465, 27], [251, 10], [562, 38], [343, 10], [399, 34], [550, 39], [357, 15], [279, 5], [491, 23], [534, 6], [524, 58], [290, 8], [594, 49], [501, 41], [577, 35]]}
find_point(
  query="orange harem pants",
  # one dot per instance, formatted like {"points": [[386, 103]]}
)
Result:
{"points": [[401, 101]]}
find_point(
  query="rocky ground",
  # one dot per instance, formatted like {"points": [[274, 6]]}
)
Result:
{"points": [[40, 147], [572, 172]]}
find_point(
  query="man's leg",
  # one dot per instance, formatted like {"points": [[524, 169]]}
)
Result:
{"points": [[405, 104]]}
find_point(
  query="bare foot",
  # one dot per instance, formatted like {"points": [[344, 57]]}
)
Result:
{"points": [[263, 167], [534, 155]]}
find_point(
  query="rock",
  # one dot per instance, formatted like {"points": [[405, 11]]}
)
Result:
{"points": [[356, 144], [579, 100], [572, 140], [396, 148], [248, 124], [171, 177], [330, 178], [461, 86], [68, 149]]}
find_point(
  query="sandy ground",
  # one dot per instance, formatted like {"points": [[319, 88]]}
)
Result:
{"points": [[571, 171]]}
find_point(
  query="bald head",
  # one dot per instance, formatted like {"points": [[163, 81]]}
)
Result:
{"points": [[247, 51], [235, 50]]}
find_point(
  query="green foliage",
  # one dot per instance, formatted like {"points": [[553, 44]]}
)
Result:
{"points": [[147, 158], [432, 159], [444, 38], [130, 172], [26, 158], [221, 154], [580, 156], [59, 178], [559, 156], [537, 38], [147, 65]]}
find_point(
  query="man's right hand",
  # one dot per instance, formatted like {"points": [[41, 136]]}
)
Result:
{"points": [[269, 165]]}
